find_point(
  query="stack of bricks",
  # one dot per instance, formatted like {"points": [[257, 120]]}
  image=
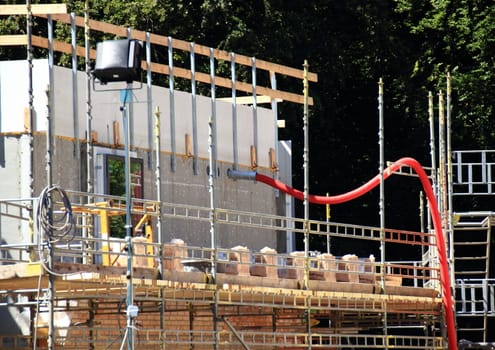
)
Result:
{"points": [[173, 253], [348, 269], [367, 270], [326, 265], [239, 261], [265, 264], [297, 260], [322, 268], [139, 249]]}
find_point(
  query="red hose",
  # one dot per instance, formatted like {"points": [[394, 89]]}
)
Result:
{"points": [[440, 242]]}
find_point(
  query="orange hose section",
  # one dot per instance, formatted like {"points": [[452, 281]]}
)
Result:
{"points": [[440, 241]]}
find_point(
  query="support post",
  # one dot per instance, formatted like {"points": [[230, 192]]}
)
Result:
{"points": [[158, 184], [75, 95], [128, 226], [450, 185], [234, 112], [49, 177], [306, 196], [149, 100], [382, 200], [211, 190], [433, 156], [89, 117], [306, 176], [171, 94], [194, 110], [255, 110], [213, 111]]}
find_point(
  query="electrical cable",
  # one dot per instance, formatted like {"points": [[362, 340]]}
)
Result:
{"points": [[59, 226], [54, 226]]}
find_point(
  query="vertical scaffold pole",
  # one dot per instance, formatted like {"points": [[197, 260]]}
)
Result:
{"points": [[306, 176], [443, 163], [276, 170], [149, 98], [213, 109], [255, 110], [29, 33], [87, 219], [442, 196], [212, 154], [211, 189], [306, 196], [194, 109], [381, 168], [128, 224], [89, 117], [327, 218], [434, 179], [450, 185], [171, 94], [75, 94], [29, 130], [49, 177], [158, 184], [235, 150], [433, 152]]}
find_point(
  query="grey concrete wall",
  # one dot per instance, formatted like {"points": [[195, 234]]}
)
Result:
{"points": [[15, 186], [182, 185]]}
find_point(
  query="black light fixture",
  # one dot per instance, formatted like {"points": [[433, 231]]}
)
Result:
{"points": [[118, 61]]}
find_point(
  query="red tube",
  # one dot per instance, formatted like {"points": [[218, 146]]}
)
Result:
{"points": [[345, 197]]}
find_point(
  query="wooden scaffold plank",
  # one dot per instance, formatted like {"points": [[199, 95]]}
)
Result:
{"points": [[36, 9]]}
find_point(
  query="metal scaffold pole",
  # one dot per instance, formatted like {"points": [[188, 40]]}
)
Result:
{"points": [[87, 220], [49, 177], [306, 195], [158, 181], [450, 190], [442, 164], [89, 117], [382, 198], [306, 176], [433, 152], [131, 308], [212, 219], [212, 164]]}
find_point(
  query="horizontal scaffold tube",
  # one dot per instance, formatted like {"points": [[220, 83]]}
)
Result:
{"points": [[241, 175], [345, 197]]}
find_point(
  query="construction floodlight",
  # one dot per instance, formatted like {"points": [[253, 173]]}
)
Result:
{"points": [[118, 61]]}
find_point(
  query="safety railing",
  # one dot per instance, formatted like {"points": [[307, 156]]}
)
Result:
{"points": [[107, 338], [475, 297], [83, 246], [474, 172]]}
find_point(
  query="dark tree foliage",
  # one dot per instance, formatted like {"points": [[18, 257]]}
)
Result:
{"points": [[410, 44]]}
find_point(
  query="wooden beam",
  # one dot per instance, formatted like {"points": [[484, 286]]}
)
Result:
{"points": [[247, 100], [183, 72], [185, 46], [7, 10], [12, 40]]}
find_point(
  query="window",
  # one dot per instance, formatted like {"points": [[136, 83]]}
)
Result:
{"points": [[115, 185]]}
